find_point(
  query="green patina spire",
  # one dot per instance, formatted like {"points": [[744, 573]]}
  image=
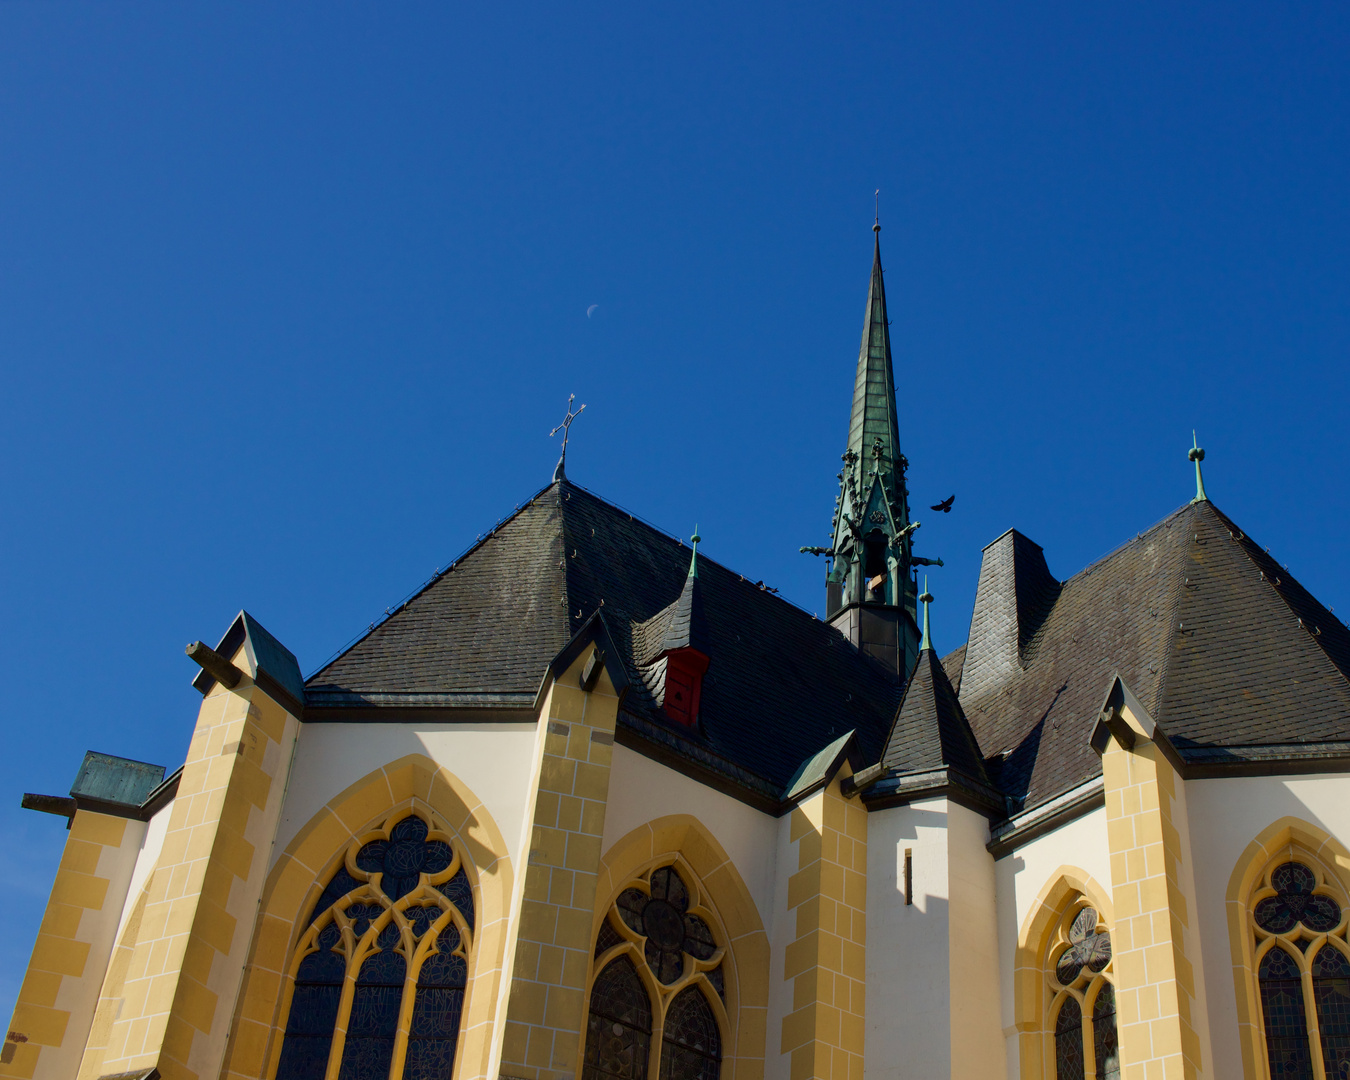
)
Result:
{"points": [[1197, 454], [869, 587], [925, 598], [693, 559]]}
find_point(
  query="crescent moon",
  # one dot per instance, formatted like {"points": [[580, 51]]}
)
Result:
{"points": [[591, 310]]}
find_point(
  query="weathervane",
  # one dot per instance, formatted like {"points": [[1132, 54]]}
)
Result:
{"points": [[876, 224], [565, 427]]}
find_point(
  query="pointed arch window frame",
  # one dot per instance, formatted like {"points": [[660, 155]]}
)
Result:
{"points": [[1300, 942], [355, 949], [696, 974], [1084, 988]]}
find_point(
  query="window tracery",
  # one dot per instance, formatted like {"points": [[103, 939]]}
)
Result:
{"points": [[1298, 921], [657, 1003], [381, 970], [1079, 976]]}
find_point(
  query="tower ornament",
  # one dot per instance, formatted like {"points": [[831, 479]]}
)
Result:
{"points": [[560, 472], [1197, 454]]}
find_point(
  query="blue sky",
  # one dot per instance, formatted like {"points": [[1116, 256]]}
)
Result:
{"points": [[291, 295]]}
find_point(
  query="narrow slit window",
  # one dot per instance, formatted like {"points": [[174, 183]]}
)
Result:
{"points": [[909, 876]]}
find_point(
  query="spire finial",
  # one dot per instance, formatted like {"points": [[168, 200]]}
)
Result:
{"points": [[1197, 454], [693, 559], [925, 598], [876, 225], [560, 472]]}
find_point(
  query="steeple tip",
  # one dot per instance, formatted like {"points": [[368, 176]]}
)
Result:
{"points": [[925, 598], [1197, 454]]}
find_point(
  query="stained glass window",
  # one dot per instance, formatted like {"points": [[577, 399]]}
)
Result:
{"points": [[1069, 1041], [1294, 903], [374, 1017], [1331, 992], [663, 918], [1087, 948], [606, 939], [691, 1043], [314, 1009], [1285, 1020], [1105, 1045], [619, 1028], [385, 931], [436, 1011], [662, 932]]}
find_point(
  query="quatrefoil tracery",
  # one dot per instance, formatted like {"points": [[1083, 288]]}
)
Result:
{"points": [[1084, 948], [660, 918], [1295, 899]]}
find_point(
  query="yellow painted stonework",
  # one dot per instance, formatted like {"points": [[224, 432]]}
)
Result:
{"points": [[1155, 980], [166, 1011], [546, 1010], [61, 956], [825, 963]]}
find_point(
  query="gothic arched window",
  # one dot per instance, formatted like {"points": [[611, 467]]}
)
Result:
{"points": [[657, 1006], [1083, 997], [395, 921], [1302, 971]]}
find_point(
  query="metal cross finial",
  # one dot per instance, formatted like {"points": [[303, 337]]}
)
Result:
{"points": [[560, 472], [925, 598], [1197, 454], [876, 224]]}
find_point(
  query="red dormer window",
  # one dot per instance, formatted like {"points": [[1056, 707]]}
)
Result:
{"points": [[684, 682]]}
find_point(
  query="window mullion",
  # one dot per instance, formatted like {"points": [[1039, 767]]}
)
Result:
{"points": [[344, 1015], [405, 1011], [658, 1037], [1310, 1011], [1089, 1038]]}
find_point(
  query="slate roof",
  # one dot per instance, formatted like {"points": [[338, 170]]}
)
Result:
{"points": [[930, 730], [780, 683], [1222, 646]]}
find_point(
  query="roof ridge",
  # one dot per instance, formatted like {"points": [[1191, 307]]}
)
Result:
{"points": [[436, 576], [703, 558], [1099, 561], [1172, 599], [1256, 556]]}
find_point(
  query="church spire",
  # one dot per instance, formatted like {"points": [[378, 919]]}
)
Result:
{"points": [[870, 590]]}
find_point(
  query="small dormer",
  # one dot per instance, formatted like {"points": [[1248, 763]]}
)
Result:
{"points": [[680, 657]]}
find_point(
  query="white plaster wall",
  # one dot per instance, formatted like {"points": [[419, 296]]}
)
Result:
{"points": [[641, 790], [977, 1041], [1192, 943], [151, 842], [908, 959], [492, 760], [98, 927], [1019, 878], [1225, 815]]}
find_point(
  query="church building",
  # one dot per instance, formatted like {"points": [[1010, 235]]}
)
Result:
{"points": [[592, 806]]}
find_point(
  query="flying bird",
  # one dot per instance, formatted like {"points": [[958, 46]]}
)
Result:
{"points": [[945, 506], [591, 310]]}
